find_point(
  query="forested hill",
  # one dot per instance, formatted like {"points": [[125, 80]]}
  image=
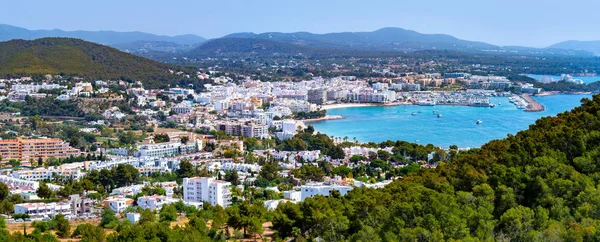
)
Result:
{"points": [[539, 185], [77, 57]]}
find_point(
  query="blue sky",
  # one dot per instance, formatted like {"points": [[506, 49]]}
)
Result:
{"points": [[508, 22]]}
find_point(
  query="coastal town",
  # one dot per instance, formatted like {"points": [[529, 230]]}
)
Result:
{"points": [[299, 121], [236, 137]]}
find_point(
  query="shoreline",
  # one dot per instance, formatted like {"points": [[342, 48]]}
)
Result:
{"points": [[534, 106], [326, 117], [303, 122], [552, 93], [357, 105]]}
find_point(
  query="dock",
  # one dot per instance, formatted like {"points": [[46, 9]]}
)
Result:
{"points": [[533, 106]]}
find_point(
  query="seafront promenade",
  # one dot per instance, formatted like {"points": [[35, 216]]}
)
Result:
{"points": [[534, 106]]}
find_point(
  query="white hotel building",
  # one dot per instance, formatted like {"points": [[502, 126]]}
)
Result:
{"points": [[207, 189], [314, 189], [154, 202], [38, 210], [168, 149]]}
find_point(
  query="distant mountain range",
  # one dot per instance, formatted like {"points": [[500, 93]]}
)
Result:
{"points": [[591, 46], [133, 41], [80, 58], [386, 39], [382, 40], [273, 43]]}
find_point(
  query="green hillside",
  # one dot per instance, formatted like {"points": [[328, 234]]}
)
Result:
{"points": [[79, 58], [539, 185]]}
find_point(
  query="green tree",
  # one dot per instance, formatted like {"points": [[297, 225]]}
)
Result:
{"points": [[44, 191], [269, 171], [14, 162], [168, 213], [89, 233], [161, 138], [147, 216], [4, 192], [232, 176], [186, 169], [63, 228], [109, 218], [185, 139]]}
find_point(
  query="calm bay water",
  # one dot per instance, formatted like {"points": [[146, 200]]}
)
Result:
{"points": [[585, 79], [456, 126]]}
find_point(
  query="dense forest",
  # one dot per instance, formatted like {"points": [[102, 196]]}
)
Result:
{"points": [[74, 57]]}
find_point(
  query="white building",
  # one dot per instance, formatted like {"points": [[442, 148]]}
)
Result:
{"points": [[133, 217], [40, 174], [154, 202], [314, 189], [207, 189], [38, 210], [118, 204], [293, 195], [289, 125], [168, 149], [183, 107]]}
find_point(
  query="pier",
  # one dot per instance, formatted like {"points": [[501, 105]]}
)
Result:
{"points": [[533, 106]]}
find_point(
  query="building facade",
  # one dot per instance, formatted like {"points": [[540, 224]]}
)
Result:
{"points": [[27, 149], [207, 189]]}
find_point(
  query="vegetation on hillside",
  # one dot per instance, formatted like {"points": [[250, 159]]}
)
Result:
{"points": [[74, 57]]}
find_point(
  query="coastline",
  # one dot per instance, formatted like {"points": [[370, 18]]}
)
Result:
{"points": [[326, 117], [534, 106], [303, 122], [551, 93], [355, 105]]}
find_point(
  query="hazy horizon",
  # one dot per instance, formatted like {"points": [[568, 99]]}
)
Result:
{"points": [[503, 23]]}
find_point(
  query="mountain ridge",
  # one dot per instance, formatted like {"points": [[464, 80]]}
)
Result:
{"points": [[587, 45], [105, 37], [389, 38]]}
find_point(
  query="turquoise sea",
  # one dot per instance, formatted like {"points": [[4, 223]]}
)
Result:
{"points": [[456, 126], [585, 79]]}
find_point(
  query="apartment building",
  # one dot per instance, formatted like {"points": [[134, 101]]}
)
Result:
{"points": [[317, 96], [40, 174], [118, 204], [243, 128], [27, 149], [183, 107], [314, 189], [154, 202], [80, 205], [207, 189], [168, 149], [39, 210]]}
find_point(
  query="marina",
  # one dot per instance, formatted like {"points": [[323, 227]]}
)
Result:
{"points": [[473, 98]]}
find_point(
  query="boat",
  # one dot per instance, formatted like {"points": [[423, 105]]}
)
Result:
{"points": [[414, 113], [492, 105], [499, 104], [479, 122], [439, 115]]}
